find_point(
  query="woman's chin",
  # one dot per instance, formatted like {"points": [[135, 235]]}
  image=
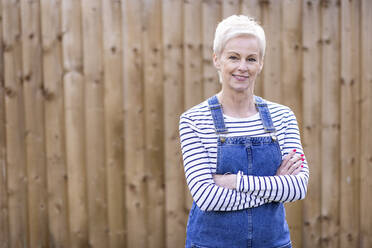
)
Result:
{"points": [[240, 86]]}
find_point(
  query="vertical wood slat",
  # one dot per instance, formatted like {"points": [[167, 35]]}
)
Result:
{"points": [[230, 7], [94, 125], [15, 129], [154, 117], [330, 158], [4, 223], [365, 124], [135, 174], [173, 107], [211, 16], [114, 131], [271, 73], [311, 121], [34, 121], [291, 91], [193, 62], [349, 88], [54, 123], [73, 81], [252, 9]]}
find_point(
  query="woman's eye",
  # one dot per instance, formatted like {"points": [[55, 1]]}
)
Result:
{"points": [[252, 59], [233, 57]]}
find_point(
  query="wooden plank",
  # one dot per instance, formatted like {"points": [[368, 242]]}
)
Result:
{"points": [[94, 125], [193, 62], [135, 172], [154, 117], [15, 129], [366, 123], [74, 122], [34, 117], [230, 7], [114, 130], [311, 121], [4, 221], [252, 9], [292, 92], [330, 184], [291, 58], [173, 107], [271, 73], [211, 16], [54, 123], [349, 166]]}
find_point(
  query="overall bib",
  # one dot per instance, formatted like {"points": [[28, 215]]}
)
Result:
{"points": [[259, 227]]}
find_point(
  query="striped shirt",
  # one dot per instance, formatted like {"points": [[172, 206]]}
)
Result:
{"points": [[199, 151]]}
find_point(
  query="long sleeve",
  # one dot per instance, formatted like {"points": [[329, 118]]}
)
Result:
{"points": [[286, 188], [198, 171]]}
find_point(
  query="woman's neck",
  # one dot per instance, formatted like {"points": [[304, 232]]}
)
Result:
{"points": [[239, 105]]}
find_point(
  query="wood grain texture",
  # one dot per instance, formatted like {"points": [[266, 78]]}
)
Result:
{"points": [[173, 107], [114, 120], [311, 113], [230, 7], [272, 69], [4, 215], [74, 96], [349, 108], [365, 124], [94, 125], [34, 123], [211, 16], [330, 140], [15, 126], [51, 27], [134, 123], [154, 123]]}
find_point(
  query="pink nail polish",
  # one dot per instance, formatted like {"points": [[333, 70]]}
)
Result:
{"points": [[302, 159], [294, 150], [302, 166], [302, 155]]}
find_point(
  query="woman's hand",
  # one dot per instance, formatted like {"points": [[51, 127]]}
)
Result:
{"points": [[291, 164], [227, 181]]}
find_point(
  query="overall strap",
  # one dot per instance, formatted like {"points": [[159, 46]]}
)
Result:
{"points": [[265, 115], [217, 115]]}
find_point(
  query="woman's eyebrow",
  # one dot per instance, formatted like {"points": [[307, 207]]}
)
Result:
{"points": [[232, 51]]}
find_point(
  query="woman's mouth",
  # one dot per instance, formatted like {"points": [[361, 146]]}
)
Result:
{"points": [[240, 77]]}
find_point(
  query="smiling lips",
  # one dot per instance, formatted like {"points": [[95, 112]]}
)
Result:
{"points": [[240, 77]]}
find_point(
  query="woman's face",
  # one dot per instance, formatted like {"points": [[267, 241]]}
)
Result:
{"points": [[239, 63]]}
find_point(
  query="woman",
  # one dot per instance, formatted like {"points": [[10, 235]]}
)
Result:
{"points": [[242, 154]]}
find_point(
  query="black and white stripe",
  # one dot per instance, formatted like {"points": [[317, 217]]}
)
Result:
{"points": [[199, 150]]}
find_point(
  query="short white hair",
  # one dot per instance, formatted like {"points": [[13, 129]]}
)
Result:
{"points": [[234, 26]]}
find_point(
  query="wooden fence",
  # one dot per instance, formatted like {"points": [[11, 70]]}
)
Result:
{"points": [[90, 96]]}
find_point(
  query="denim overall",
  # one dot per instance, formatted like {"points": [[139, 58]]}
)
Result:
{"points": [[259, 227]]}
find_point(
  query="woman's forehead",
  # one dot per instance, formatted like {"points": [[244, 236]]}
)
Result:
{"points": [[242, 45]]}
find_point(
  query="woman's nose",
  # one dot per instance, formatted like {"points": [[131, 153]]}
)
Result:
{"points": [[243, 65]]}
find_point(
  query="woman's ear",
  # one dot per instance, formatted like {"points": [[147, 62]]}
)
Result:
{"points": [[216, 62], [261, 65]]}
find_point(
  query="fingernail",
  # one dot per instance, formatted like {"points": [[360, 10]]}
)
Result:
{"points": [[294, 150], [302, 159], [302, 155], [302, 166]]}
